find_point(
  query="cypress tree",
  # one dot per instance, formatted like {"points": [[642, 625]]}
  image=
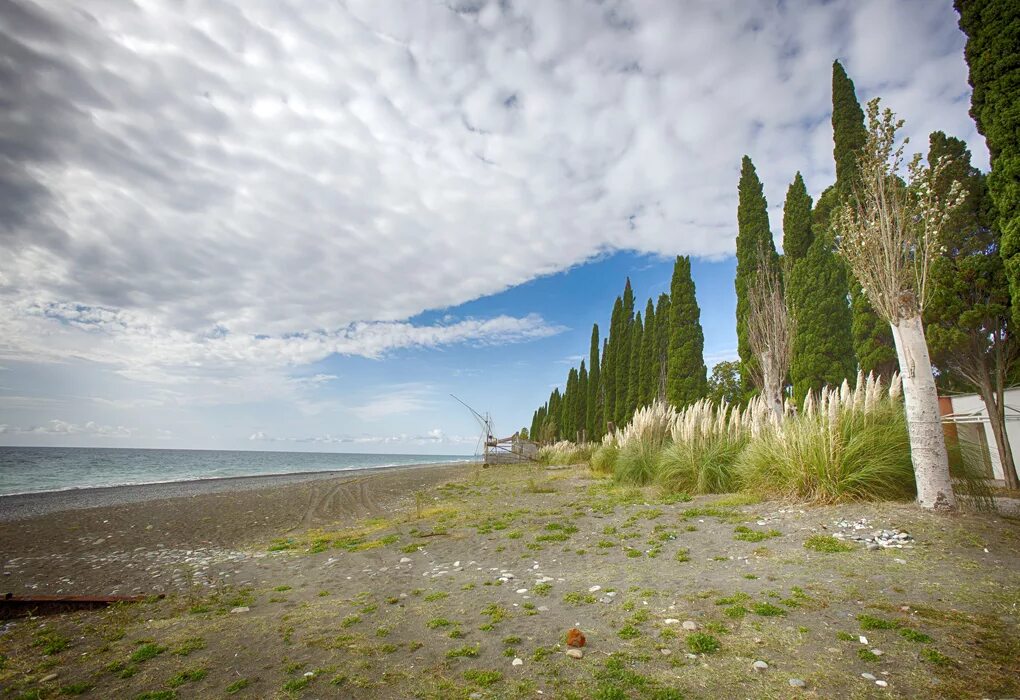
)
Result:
{"points": [[610, 368], [872, 337], [581, 403], [662, 330], [686, 380], [993, 59], [621, 357], [634, 383], [551, 429], [822, 346], [568, 409], [649, 359], [593, 420], [753, 237], [796, 221]]}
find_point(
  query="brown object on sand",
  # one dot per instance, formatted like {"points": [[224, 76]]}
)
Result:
{"points": [[17, 605], [575, 638]]}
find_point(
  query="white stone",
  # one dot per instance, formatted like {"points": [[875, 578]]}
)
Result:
{"points": [[517, 661], [797, 683], [240, 609], [690, 625], [877, 652], [594, 589], [671, 621], [863, 639], [759, 665], [868, 677], [882, 684], [575, 653], [665, 652], [522, 590], [405, 560]]}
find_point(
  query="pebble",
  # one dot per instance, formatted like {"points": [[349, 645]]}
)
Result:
{"points": [[759, 665], [241, 609], [690, 625], [518, 661], [877, 652], [863, 639], [50, 677], [691, 656], [797, 683], [522, 590], [575, 653], [665, 652], [595, 589], [405, 560], [868, 677], [882, 684], [671, 621]]}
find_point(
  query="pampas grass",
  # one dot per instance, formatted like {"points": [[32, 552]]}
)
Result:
{"points": [[603, 459], [847, 445], [700, 466]]}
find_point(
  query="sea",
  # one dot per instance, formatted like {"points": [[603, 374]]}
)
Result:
{"points": [[39, 469]]}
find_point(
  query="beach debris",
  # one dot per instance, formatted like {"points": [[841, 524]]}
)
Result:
{"points": [[17, 605], [575, 638], [575, 653], [878, 539], [759, 665], [690, 625]]}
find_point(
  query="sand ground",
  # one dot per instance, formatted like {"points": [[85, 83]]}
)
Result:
{"points": [[458, 582]]}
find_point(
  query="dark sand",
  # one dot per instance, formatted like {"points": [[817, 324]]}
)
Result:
{"points": [[118, 539]]}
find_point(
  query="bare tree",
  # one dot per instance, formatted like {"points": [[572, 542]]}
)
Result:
{"points": [[889, 235], [770, 332]]}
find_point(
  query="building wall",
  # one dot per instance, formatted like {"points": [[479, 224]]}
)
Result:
{"points": [[972, 403]]}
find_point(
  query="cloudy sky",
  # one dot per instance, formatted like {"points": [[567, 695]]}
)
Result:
{"points": [[301, 225]]}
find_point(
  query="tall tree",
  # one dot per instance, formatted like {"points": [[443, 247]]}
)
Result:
{"points": [[634, 384], [993, 35], [724, 384], [770, 333], [968, 320], [567, 410], [593, 419], [610, 359], [649, 358], [551, 426], [581, 403], [796, 221], [872, 339], [753, 236], [662, 331], [822, 345], [890, 234], [622, 360], [686, 379]]}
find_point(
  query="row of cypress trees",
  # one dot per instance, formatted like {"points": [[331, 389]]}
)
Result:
{"points": [[659, 355]]}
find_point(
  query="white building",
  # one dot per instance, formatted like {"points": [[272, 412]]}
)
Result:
{"points": [[965, 417]]}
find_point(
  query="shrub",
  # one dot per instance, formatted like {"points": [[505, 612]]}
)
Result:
{"points": [[839, 453], [637, 462], [603, 459], [702, 465], [565, 452]]}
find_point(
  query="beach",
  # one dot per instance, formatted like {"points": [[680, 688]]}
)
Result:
{"points": [[460, 582], [82, 541]]}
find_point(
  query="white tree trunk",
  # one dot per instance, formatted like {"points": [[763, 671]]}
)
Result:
{"points": [[927, 443], [772, 386]]}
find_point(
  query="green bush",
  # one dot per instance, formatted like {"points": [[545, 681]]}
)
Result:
{"points": [[603, 459], [858, 456], [637, 463], [704, 465]]}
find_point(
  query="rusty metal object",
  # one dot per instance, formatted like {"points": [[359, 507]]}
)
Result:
{"points": [[31, 605]]}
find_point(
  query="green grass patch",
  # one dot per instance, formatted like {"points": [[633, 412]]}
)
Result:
{"points": [[702, 643], [827, 544]]}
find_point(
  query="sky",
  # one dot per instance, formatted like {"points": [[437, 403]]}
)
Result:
{"points": [[284, 225]]}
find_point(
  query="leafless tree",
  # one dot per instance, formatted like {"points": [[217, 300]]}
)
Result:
{"points": [[889, 234], [770, 329]]}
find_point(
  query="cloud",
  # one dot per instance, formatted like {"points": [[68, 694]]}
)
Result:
{"points": [[434, 436], [63, 428], [225, 166]]}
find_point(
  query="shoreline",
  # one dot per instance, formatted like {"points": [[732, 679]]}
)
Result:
{"points": [[23, 506]]}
